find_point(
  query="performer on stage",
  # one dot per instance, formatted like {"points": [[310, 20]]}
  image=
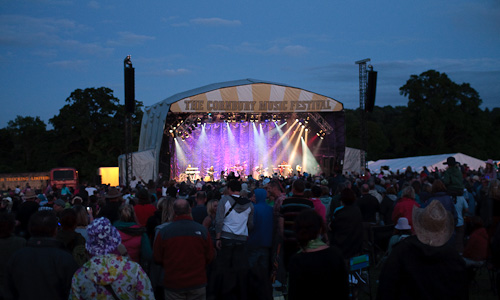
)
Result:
{"points": [[211, 173], [299, 170], [193, 173]]}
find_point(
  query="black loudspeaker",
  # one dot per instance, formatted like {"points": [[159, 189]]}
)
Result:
{"points": [[129, 90], [370, 91]]}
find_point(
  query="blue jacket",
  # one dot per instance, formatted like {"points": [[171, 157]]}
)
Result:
{"points": [[262, 233]]}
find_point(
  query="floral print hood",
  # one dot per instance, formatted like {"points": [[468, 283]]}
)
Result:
{"points": [[127, 279], [105, 269]]}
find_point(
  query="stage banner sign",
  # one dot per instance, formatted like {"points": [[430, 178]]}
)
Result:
{"points": [[256, 98]]}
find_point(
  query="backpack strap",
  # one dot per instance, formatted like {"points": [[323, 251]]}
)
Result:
{"points": [[232, 207]]}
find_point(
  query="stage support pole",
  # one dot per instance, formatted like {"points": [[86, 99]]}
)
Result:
{"points": [[363, 78], [129, 110]]}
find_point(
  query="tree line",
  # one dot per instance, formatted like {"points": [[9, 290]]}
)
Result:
{"points": [[88, 133], [441, 117]]}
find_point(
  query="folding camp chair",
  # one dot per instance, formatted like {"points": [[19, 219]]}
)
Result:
{"points": [[359, 275]]}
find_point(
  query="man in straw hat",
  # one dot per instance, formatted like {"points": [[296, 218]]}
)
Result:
{"points": [[425, 266], [113, 202]]}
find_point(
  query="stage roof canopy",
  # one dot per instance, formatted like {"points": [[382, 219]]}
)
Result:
{"points": [[238, 96]]}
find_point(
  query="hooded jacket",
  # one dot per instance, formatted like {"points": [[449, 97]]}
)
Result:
{"points": [[239, 220], [125, 277], [135, 239], [261, 235]]}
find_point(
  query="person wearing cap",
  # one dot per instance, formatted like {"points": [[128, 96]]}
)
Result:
{"points": [[425, 265], [402, 230], [108, 275], [42, 269]]}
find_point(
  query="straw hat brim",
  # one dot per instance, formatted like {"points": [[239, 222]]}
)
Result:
{"points": [[436, 237]]}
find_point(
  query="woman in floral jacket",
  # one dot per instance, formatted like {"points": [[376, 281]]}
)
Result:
{"points": [[108, 274]]}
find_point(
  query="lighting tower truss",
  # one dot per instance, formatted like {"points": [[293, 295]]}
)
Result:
{"points": [[363, 80]]}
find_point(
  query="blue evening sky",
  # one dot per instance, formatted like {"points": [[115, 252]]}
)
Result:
{"points": [[49, 48]]}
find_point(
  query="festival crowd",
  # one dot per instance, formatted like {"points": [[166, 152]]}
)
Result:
{"points": [[245, 238]]}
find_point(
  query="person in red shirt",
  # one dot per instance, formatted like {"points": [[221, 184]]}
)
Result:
{"points": [[404, 206], [144, 209]]}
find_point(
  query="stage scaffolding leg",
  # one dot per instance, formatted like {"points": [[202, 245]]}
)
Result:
{"points": [[128, 149], [363, 78]]}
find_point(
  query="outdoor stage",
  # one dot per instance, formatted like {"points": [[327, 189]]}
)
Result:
{"points": [[248, 126]]}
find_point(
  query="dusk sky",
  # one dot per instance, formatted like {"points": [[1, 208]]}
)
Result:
{"points": [[49, 48]]}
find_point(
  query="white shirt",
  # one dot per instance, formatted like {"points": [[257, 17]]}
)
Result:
{"points": [[91, 190]]}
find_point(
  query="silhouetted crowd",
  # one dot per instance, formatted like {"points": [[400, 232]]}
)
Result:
{"points": [[246, 238]]}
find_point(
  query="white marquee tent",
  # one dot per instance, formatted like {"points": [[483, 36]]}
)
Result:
{"points": [[430, 161]]}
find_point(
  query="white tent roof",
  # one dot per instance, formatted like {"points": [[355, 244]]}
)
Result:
{"points": [[430, 161]]}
